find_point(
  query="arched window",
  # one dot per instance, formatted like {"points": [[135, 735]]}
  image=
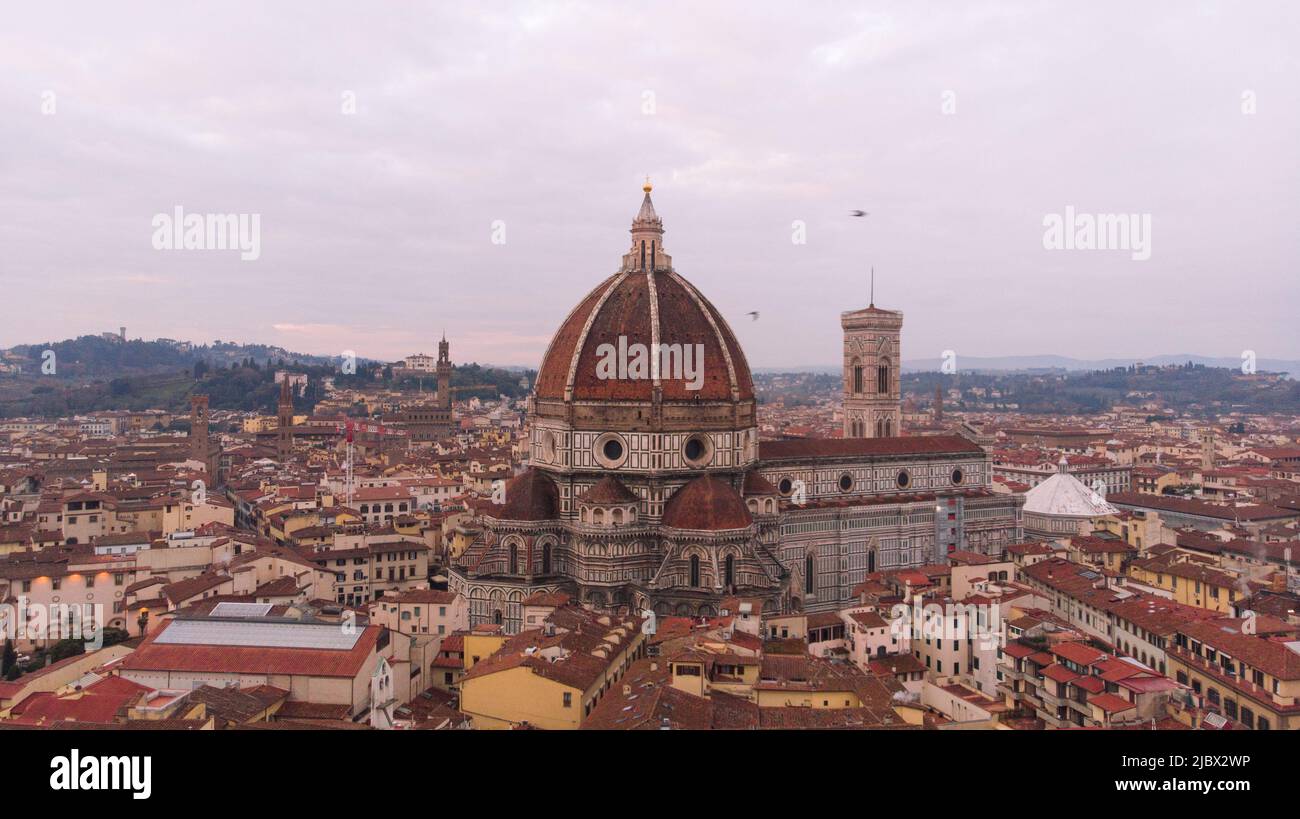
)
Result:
{"points": [[496, 616], [808, 585], [857, 377], [514, 558], [546, 559], [729, 570], [695, 570], [882, 377]]}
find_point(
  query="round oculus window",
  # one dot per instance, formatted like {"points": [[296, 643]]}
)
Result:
{"points": [[612, 449], [846, 482], [957, 476], [697, 451], [904, 479]]}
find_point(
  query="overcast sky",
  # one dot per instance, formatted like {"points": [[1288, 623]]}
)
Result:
{"points": [[959, 128]]}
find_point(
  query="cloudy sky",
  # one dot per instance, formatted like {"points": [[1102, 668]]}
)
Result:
{"points": [[959, 128]]}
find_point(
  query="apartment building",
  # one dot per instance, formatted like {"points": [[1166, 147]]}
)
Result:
{"points": [[1247, 669]]}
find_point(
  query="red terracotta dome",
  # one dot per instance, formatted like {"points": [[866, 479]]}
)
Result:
{"points": [[608, 491], [646, 303], [531, 495], [708, 504]]}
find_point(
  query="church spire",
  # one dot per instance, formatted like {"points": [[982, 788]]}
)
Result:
{"points": [[647, 254]]}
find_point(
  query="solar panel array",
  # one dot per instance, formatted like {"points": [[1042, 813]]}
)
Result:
{"points": [[257, 634], [228, 609]]}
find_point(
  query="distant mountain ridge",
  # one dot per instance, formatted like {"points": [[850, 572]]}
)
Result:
{"points": [[1021, 363]]}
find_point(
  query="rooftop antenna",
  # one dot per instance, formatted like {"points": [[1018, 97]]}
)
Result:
{"points": [[873, 286]]}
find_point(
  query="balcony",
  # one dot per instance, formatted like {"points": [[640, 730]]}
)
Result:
{"points": [[1052, 720]]}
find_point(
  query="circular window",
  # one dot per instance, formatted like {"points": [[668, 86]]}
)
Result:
{"points": [[785, 487], [904, 479], [957, 476], [697, 450], [611, 451], [548, 446], [846, 482]]}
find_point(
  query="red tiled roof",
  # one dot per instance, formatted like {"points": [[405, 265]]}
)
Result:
{"points": [[152, 656], [1110, 703], [865, 447]]}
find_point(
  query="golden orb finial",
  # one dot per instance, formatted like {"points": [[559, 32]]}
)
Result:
{"points": [[646, 187]]}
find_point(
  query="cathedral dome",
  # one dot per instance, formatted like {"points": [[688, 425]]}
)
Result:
{"points": [[593, 356], [706, 503]]}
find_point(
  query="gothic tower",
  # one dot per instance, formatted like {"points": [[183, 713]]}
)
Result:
{"points": [[444, 373], [199, 429], [284, 433], [872, 352]]}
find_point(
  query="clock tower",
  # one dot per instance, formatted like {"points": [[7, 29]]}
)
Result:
{"points": [[872, 353]]}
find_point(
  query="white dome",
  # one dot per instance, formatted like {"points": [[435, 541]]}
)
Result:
{"points": [[1066, 496]]}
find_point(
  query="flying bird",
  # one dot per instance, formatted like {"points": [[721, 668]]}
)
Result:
{"points": [[858, 213], [753, 313]]}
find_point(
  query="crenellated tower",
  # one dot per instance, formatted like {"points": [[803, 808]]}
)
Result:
{"points": [[284, 431], [444, 373]]}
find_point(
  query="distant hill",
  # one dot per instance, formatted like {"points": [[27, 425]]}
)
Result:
{"points": [[95, 373], [1048, 362], [100, 357], [1027, 363]]}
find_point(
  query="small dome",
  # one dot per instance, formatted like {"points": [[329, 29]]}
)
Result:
{"points": [[706, 503], [1064, 495], [531, 495], [608, 491], [756, 484]]}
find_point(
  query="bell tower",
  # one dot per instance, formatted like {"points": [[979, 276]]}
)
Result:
{"points": [[284, 432], [872, 354], [199, 428], [444, 373]]}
